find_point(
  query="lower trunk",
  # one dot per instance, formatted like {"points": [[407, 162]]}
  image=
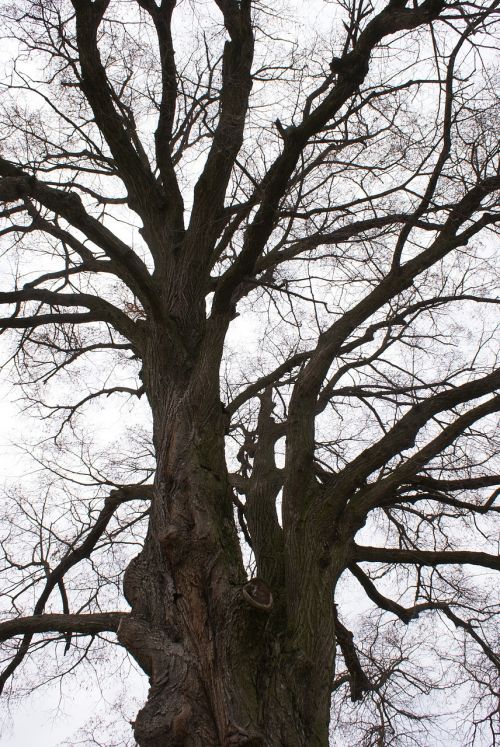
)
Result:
{"points": [[224, 667], [222, 671], [197, 699]]}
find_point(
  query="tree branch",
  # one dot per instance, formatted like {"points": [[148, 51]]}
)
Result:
{"points": [[363, 554], [89, 624], [144, 193], [353, 68], [210, 189], [17, 184], [358, 680], [162, 19], [407, 614], [405, 431], [101, 309], [72, 557]]}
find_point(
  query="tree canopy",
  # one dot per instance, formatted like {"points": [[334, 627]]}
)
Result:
{"points": [[249, 277]]}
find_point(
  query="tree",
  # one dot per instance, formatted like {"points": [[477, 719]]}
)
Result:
{"points": [[162, 186]]}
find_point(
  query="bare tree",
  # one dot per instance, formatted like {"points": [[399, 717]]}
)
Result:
{"points": [[173, 178]]}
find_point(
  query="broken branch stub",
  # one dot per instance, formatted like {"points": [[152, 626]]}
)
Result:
{"points": [[258, 594]]}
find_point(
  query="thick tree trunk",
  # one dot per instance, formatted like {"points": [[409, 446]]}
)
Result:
{"points": [[222, 672]]}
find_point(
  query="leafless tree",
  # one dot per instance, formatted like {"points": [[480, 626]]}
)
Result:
{"points": [[282, 240]]}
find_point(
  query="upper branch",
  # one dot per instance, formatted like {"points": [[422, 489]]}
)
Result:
{"points": [[303, 405], [402, 436], [253, 389], [144, 193], [16, 184], [162, 19], [210, 190], [407, 614], [352, 70]]}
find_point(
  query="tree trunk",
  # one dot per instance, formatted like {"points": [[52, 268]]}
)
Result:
{"points": [[222, 672]]}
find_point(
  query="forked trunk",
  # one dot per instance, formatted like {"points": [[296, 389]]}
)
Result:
{"points": [[226, 666]]}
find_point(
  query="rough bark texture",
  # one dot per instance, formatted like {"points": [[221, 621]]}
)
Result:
{"points": [[222, 672]]}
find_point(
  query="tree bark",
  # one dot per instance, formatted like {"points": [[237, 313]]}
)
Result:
{"points": [[222, 671]]}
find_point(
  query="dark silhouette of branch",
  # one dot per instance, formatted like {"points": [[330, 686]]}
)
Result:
{"points": [[81, 551], [424, 557], [90, 624]]}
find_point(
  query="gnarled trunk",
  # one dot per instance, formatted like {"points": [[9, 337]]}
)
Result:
{"points": [[222, 671]]}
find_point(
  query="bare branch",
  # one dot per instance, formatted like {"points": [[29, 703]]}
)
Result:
{"points": [[363, 554], [90, 624]]}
